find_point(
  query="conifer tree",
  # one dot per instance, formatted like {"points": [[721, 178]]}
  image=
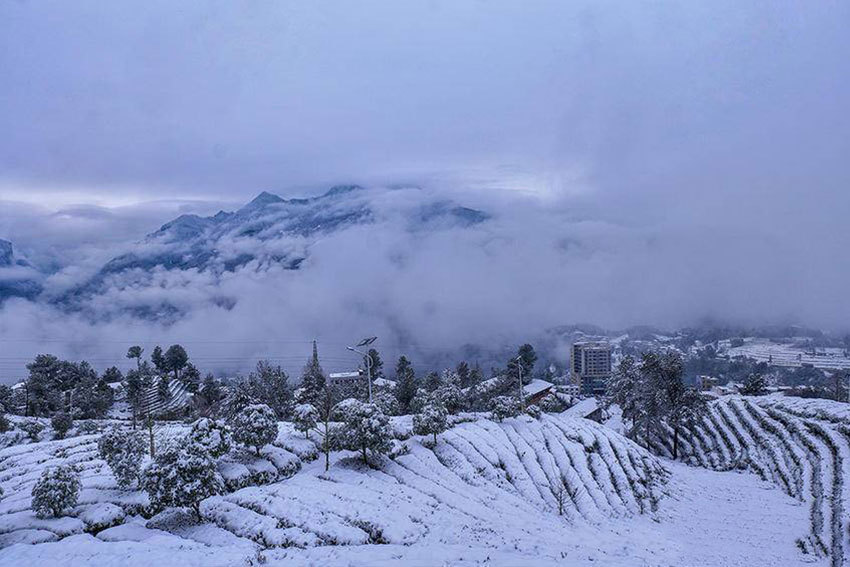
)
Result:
{"points": [[312, 379], [406, 386]]}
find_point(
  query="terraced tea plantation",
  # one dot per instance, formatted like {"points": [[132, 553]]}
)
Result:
{"points": [[803, 446]]}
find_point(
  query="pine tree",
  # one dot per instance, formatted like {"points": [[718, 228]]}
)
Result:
{"points": [[377, 365], [135, 352], [158, 360], [754, 385], [312, 379], [175, 360], [432, 382], [527, 357], [269, 385], [406, 386], [463, 374]]}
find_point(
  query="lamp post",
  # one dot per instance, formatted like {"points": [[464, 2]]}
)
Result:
{"points": [[365, 343]]}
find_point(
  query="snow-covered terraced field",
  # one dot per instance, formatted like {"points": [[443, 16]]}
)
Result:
{"points": [[477, 474], [790, 356], [22, 464], [485, 484], [524, 492], [803, 446]]}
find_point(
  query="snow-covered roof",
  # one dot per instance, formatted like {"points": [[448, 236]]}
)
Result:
{"points": [[583, 408], [536, 386]]}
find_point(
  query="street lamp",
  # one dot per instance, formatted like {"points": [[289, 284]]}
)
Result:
{"points": [[365, 355]]}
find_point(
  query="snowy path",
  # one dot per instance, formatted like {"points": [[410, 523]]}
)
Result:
{"points": [[730, 519]]}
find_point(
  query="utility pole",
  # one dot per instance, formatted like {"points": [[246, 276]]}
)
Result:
{"points": [[368, 359]]}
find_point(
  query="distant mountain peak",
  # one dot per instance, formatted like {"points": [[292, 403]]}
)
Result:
{"points": [[342, 189], [263, 199]]}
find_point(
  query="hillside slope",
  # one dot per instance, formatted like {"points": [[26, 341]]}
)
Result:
{"points": [[803, 446]]}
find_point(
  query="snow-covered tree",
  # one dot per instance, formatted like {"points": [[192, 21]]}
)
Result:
{"points": [[366, 428], [504, 406], [56, 491], [5, 424], [551, 404], [462, 371], [182, 477], [451, 397], [123, 451], [686, 406], [432, 420], [325, 427], [212, 435], [406, 386], [525, 365], [432, 382], [268, 384], [61, 424], [312, 379], [386, 401], [754, 385], [255, 426], [305, 417]]}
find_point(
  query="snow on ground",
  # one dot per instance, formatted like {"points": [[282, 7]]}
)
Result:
{"points": [[764, 350], [487, 494], [802, 446]]}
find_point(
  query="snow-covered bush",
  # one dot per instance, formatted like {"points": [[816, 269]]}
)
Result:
{"points": [[451, 397], [551, 404], [255, 426], [212, 435], [88, 427], [504, 406], [5, 424], [56, 491], [386, 402], [419, 400], [305, 417], [181, 477], [534, 411], [61, 424], [123, 450], [433, 419], [32, 428], [366, 428]]}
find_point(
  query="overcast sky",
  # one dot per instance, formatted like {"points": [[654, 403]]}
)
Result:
{"points": [[719, 129]]}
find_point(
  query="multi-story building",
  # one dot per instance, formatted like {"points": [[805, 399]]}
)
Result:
{"points": [[590, 367]]}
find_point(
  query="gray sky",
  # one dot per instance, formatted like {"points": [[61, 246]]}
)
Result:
{"points": [[699, 149]]}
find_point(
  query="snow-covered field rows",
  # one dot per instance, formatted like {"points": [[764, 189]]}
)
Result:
{"points": [[788, 355], [479, 474], [101, 501], [484, 486], [803, 446]]}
